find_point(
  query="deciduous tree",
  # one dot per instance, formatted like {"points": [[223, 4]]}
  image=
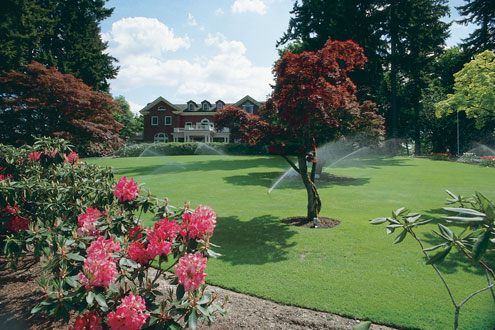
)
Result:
{"points": [[313, 101], [42, 101], [473, 91]]}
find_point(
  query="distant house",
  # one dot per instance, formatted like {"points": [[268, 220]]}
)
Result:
{"points": [[189, 122]]}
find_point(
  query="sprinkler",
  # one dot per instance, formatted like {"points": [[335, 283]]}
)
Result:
{"points": [[315, 222]]}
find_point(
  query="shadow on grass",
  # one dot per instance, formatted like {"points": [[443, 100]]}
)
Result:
{"points": [[268, 179], [258, 241]]}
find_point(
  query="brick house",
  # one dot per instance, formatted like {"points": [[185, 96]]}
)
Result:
{"points": [[189, 122]]}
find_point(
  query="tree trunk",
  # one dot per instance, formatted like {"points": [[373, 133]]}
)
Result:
{"points": [[314, 202]]}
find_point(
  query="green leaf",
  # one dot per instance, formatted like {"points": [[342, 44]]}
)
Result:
{"points": [[362, 326], [465, 219], [90, 298], [400, 237], [481, 245], [75, 256], [399, 212], [464, 211], [36, 309], [192, 321], [203, 310], [378, 221], [205, 299], [439, 257], [172, 325], [446, 231], [101, 300], [180, 292], [72, 281], [434, 247]]}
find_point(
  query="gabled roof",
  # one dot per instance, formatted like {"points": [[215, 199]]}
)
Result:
{"points": [[245, 99], [147, 108]]}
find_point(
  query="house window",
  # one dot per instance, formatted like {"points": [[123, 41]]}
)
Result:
{"points": [[205, 106], [161, 137], [219, 105], [161, 109], [154, 120], [248, 107], [168, 120], [189, 124], [191, 107]]}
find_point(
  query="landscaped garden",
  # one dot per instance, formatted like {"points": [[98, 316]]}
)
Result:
{"points": [[352, 269]]}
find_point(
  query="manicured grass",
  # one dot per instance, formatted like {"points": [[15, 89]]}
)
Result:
{"points": [[352, 269]]}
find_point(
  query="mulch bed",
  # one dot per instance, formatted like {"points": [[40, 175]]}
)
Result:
{"points": [[19, 293], [303, 222]]}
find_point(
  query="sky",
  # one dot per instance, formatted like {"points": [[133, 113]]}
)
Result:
{"points": [[201, 49]]}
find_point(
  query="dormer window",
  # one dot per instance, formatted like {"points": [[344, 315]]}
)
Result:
{"points": [[161, 108], [219, 105], [205, 106], [191, 107], [248, 107]]}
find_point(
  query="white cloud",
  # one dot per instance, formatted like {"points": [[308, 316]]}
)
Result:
{"points": [[250, 6], [227, 74], [142, 35], [219, 12], [191, 20], [135, 107]]}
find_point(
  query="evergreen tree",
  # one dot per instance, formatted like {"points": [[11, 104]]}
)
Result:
{"points": [[482, 13], [316, 21], [399, 37], [64, 34]]}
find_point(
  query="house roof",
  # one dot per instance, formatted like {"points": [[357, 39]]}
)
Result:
{"points": [[184, 108]]}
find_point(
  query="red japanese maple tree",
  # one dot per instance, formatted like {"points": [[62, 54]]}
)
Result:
{"points": [[41, 101], [313, 102]]}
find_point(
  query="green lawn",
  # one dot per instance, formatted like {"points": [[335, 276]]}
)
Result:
{"points": [[352, 269]]}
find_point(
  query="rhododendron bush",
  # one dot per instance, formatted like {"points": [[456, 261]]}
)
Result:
{"points": [[85, 228]]}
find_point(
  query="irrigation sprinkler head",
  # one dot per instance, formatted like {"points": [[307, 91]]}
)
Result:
{"points": [[315, 222]]}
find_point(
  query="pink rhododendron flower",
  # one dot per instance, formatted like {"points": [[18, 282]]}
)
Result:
{"points": [[201, 222], [87, 222], [50, 153], [135, 233], [160, 237], [17, 223], [126, 190], [189, 271], [138, 253], [73, 157], [9, 209], [99, 264], [130, 314], [88, 321], [33, 156]]}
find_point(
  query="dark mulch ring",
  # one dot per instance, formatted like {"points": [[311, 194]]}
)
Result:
{"points": [[303, 222], [327, 177]]}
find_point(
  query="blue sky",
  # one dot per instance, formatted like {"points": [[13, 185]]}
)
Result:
{"points": [[201, 49]]}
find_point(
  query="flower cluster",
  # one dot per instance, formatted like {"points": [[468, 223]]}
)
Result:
{"points": [[159, 241], [16, 222], [72, 157], [99, 268], [189, 271], [125, 190], [87, 222], [88, 321], [34, 156], [198, 224], [51, 153], [130, 314], [4, 176]]}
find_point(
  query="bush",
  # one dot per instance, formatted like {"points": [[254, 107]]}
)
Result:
{"points": [[97, 255], [477, 217], [192, 148]]}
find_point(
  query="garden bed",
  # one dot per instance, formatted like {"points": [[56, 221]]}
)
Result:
{"points": [[19, 292]]}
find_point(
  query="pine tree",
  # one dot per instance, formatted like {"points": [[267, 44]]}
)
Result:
{"points": [[63, 34], [482, 13]]}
